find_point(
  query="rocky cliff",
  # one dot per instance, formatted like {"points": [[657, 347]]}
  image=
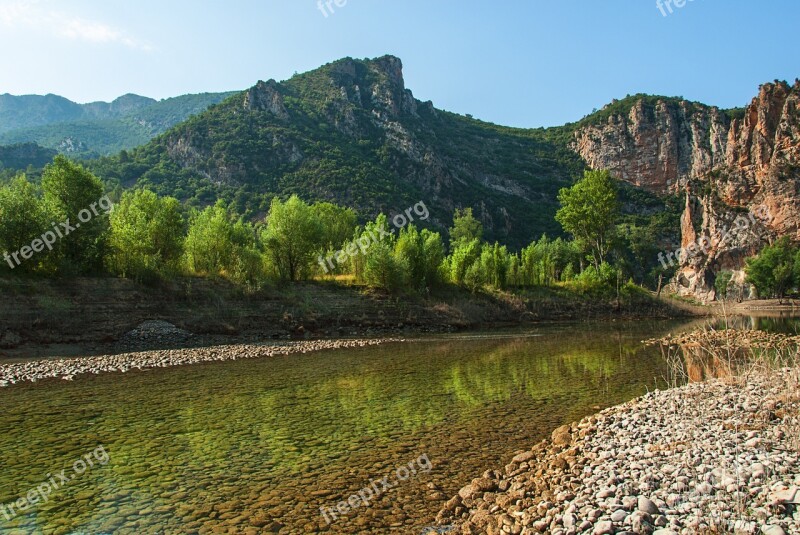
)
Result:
{"points": [[739, 171]]}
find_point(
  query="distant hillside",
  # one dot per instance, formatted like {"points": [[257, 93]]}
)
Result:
{"points": [[25, 154], [97, 128]]}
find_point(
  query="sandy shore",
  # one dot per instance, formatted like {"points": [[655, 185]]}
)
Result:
{"points": [[709, 457], [70, 368]]}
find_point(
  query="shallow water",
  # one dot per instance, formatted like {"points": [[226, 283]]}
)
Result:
{"points": [[259, 446]]}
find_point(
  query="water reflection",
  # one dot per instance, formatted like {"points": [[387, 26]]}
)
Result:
{"points": [[710, 351], [777, 322]]}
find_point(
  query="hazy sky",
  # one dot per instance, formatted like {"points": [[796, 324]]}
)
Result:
{"points": [[516, 62]]}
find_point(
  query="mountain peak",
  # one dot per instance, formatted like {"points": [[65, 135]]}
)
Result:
{"points": [[392, 67], [266, 96]]}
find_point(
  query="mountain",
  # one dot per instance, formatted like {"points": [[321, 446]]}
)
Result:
{"points": [[96, 128], [725, 163], [351, 132]]}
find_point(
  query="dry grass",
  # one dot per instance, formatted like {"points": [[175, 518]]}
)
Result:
{"points": [[735, 356]]}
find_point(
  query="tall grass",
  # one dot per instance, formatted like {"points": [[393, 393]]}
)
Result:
{"points": [[736, 357]]}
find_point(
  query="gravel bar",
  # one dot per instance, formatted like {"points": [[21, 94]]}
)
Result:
{"points": [[70, 368], [714, 457]]}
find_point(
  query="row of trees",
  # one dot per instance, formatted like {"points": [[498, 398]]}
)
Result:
{"points": [[147, 237]]}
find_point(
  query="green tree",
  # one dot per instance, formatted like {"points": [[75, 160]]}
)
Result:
{"points": [[464, 255], [419, 254], [209, 246], [22, 219], [146, 237], [375, 262], [382, 268], [588, 211], [495, 265], [293, 237], [465, 228], [773, 271], [72, 196], [337, 223], [433, 256]]}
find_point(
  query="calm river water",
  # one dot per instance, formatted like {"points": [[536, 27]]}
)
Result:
{"points": [[260, 446]]}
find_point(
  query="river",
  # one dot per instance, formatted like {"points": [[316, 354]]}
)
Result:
{"points": [[261, 446]]}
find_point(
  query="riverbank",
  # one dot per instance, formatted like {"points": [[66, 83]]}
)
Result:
{"points": [[96, 316], [714, 457]]}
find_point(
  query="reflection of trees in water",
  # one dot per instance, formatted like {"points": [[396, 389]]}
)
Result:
{"points": [[545, 369], [778, 322], [498, 375], [380, 398]]}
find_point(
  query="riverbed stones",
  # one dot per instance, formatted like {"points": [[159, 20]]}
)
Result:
{"points": [[70, 368], [714, 457], [647, 506]]}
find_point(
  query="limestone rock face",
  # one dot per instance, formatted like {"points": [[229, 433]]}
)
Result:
{"points": [[660, 149], [264, 96], [729, 165]]}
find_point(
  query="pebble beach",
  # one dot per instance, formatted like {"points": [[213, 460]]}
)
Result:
{"points": [[712, 457]]}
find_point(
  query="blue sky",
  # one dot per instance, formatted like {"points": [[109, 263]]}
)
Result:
{"points": [[516, 62]]}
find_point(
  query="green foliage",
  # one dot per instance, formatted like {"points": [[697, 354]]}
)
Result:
{"points": [[146, 238], [465, 227], [597, 281], [461, 259], [543, 262], [216, 241], [338, 224], [382, 269], [373, 261], [419, 255], [22, 219], [588, 211], [433, 257], [775, 270], [295, 235], [73, 194]]}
